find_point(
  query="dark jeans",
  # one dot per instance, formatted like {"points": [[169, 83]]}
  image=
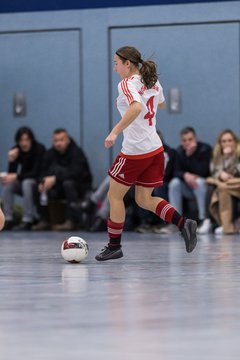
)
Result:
{"points": [[70, 191], [209, 192], [28, 190]]}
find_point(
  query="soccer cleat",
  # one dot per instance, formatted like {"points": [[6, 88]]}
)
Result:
{"points": [[108, 254], [189, 234]]}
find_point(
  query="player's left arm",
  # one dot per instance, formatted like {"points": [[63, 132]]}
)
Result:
{"points": [[130, 115]]}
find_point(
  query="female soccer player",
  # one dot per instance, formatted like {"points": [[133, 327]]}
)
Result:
{"points": [[141, 160]]}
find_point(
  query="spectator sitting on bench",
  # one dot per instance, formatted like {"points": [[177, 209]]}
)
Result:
{"points": [[225, 178], [24, 167], [65, 175], [192, 169]]}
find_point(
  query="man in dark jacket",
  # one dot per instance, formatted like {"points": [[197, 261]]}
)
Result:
{"points": [[24, 167], [192, 168], [65, 175]]}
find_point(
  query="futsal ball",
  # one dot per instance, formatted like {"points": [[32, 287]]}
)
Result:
{"points": [[74, 249]]}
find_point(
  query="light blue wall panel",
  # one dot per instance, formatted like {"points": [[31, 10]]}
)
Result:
{"points": [[45, 66], [96, 91]]}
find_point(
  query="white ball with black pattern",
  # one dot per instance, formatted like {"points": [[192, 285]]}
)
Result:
{"points": [[74, 249]]}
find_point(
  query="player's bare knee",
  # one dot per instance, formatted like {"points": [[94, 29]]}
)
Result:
{"points": [[112, 196], [141, 200]]}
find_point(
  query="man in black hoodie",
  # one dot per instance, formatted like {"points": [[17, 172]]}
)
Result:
{"points": [[65, 175], [24, 168]]}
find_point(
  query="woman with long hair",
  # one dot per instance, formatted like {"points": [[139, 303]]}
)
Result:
{"points": [[141, 160], [24, 166], [225, 176]]}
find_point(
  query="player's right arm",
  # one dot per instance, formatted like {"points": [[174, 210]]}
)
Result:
{"points": [[130, 115], [162, 105]]}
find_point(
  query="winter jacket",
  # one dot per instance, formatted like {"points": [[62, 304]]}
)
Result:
{"points": [[70, 165], [28, 164], [198, 163]]}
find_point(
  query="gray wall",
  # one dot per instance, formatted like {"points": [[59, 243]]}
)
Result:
{"points": [[62, 62]]}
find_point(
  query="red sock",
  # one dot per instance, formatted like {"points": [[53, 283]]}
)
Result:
{"points": [[169, 214], [114, 232]]}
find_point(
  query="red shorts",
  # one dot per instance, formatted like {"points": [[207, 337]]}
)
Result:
{"points": [[146, 172]]}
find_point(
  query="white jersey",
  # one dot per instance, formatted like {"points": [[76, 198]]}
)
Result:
{"points": [[140, 139]]}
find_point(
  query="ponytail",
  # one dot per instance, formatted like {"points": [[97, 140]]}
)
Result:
{"points": [[148, 71]]}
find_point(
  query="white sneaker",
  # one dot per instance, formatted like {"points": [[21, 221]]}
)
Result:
{"points": [[205, 227], [218, 230], [168, 229], [144, 228]]}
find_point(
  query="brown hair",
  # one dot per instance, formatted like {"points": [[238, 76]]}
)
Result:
{"points": [[24, 130], [217, 150], [187, 130], [147, 68], [60, 130]]}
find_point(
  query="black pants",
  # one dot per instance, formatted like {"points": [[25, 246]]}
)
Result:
{"points": [[70, 191]]}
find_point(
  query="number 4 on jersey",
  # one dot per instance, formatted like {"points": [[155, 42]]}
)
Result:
{"points": [[150, 114]]}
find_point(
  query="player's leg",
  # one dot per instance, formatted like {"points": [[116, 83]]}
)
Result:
{"points": [[157, 205], [8, 192], [153, 176], [168, 213], [116, 194], [2, 219]]}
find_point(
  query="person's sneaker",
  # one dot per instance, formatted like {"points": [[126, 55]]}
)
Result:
{"points": [[67, 225], [167, 229], [158, 228], [144, 228], [205, 227], [41, 226], [219, 231], [189, 234], [108, 254], [85, 205]]}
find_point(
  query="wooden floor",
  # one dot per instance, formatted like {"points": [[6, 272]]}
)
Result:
{"points": [[157, 302]]}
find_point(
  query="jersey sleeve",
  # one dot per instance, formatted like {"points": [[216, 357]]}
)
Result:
{"points": [[129, 90]]}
